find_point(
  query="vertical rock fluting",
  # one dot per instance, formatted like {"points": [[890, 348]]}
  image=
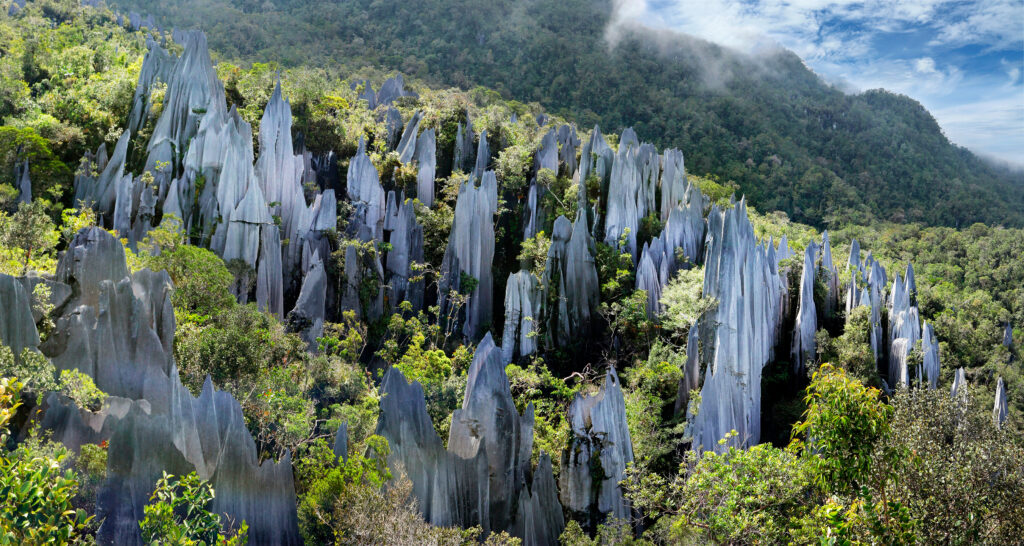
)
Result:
{"points": [[600, 439], [307, 317], [367, 196], [626, 198], [24, 184], [522, 311], [406, 250], [156, 68], [806, 326], [470, 253], [999, 408], [118, 328], [596, 160], [739, 333], [426, 158], [482, 478], [570, 283]]}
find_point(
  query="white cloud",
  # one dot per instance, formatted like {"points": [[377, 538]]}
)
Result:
{"points": [[839, 40]]}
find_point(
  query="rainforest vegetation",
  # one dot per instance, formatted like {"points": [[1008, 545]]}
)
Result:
{"points": [[845, 460]]}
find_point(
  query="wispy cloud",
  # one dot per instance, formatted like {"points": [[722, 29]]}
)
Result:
{"points": [[962, 59]]}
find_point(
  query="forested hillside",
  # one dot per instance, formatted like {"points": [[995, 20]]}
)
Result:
{"points": [[790, 141], [315, 302]]}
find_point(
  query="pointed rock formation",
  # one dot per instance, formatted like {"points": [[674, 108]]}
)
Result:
{"points": [[522, 311], [739, 333], [471, 252], [570, 280], [959, 387], [599, 433], [426, 157], [24, 184], [406, 250], [367, 196], [999, 409], [483, 477], [307, 317], [803, 348]]}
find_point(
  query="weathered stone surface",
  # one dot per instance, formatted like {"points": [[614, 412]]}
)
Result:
{"points": [[279, 174], [959, 387], [101, 192], [599, 431], [1008, 336], [341, 441], [24, 184], [464, 156], [307, 317], [570, 279], [930, 368], [803, 348], [831, 277], [17, 325], [367, 195], [482, 478], [393, 89], [360, 268], [471, 252], [269, 273], [626, 201], [691, 374], [999, 408], [899, 354], [483, 157], [568, 143], [407, 249], [407, 146], [547, 154], [119, 329], [522, 313], [673, 182], [157, 66], [739, 333], [426, 158]]}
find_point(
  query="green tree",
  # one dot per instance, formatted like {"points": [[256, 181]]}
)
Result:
{"points": [[179, 514], [29, 231]]}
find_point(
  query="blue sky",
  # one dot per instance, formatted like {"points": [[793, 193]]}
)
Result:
{"points": [[964, 60]]}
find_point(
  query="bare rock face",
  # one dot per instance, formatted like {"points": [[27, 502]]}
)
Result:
{"points": [[407, 146], [426, 157], [1008, 336], [269, 273], [691, 374], [959, 387], [673, 182], [279, 173], [831, 274], [157, 66], [192, 89], [483, 157], [407, 249], [361, 268], [118, 328], [393, 89], [483, 477], [522, 311], [600, 432], [568, 143], [867, 288], [101, 192], [307, 317], [367, 196], [17, 325], [806, 326], [24, 184], [740, 333], [464, 155], [999, 409], [596, 159], [626, 202], [929, 372], [904, 324], [570, 279], [471, 252]]}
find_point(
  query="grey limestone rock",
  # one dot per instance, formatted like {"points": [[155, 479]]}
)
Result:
{"points": [[269, 272], [522, 311], [999, 408], [572, 266], [568, 143], [407, 146], [24, 184], [471, 252], [739, 334], [959, 387], [482, 478], [626, 201], [426, 158], [803, 348], [307, 317], [341, 442], [17, 325], [599, 431], [101, 192], [393, 89], [156, 67], [483, 156], [930, 369], [691, 374], [464, 155], [118, 328], [673, 182], [406, 250], [1008, 336], [367, 195]]}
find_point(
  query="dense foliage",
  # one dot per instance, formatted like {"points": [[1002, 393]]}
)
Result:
{"points": [[791, 141], [842, 463]]}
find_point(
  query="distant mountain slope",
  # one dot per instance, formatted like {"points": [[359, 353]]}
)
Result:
{"points": [[790, 141]]}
